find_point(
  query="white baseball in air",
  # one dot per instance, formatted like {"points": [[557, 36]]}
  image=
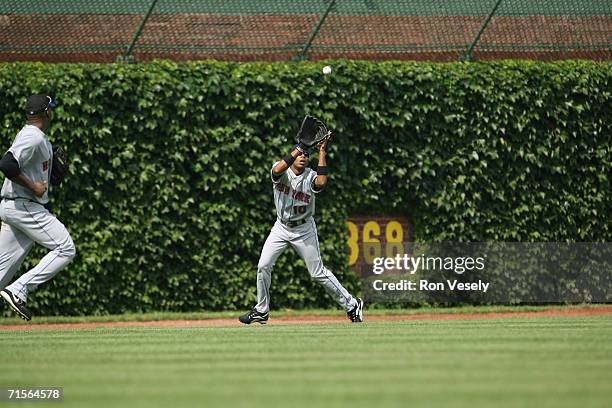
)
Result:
{"points": [[326, 70]]}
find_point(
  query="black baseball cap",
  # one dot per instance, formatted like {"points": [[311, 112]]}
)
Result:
{"points": [[39, 103]]}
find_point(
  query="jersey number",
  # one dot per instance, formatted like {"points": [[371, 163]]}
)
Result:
{"points": [[299, 209]]}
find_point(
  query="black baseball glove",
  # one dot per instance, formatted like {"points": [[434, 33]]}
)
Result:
{"points": [[311, 133], [59, 167]]}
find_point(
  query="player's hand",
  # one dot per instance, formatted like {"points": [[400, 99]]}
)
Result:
{"points": [[39, 188], [323, 144]]}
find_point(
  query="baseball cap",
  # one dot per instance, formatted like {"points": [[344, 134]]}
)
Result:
{"points": [[39, 103]]}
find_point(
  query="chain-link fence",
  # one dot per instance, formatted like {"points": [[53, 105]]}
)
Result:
{"points": [[445, 30]]}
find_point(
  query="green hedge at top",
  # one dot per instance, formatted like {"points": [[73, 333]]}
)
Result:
{"points": [[169, 199]]}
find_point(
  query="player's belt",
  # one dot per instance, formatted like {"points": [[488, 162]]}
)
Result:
{"points": [[20, 198], [292, 224], [16, 198]]}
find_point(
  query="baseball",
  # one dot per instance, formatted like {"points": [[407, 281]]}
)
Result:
{"points": [[327, 70]]}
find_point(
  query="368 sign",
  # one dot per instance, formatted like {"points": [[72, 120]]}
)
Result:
{"points": [[374, 237]]}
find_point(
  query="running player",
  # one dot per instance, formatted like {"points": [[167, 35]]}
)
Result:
{"points": [[27, 168]]}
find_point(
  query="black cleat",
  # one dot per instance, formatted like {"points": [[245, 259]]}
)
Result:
{"points": [[16, 304], [356, 315], [254, 316]]}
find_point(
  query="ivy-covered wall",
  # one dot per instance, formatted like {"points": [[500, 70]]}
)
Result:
{"points": [[169, 199]]}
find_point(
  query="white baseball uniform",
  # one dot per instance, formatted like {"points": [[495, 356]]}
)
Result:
{"points": [[294, 197], [25, 220]]}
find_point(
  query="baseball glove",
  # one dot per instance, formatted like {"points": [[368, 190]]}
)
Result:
{"points": [[311, 133], [59, 167]]}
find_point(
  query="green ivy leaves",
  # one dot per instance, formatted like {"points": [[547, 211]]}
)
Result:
{"points": [[169, 200]]}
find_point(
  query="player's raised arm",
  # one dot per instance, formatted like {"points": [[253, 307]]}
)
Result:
{"points": [[321, 180]]}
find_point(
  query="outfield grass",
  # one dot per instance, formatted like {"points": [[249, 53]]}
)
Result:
{"points": [[510, 362]]}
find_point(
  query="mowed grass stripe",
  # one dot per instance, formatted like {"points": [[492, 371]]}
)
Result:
{"points": [[560, 362]]}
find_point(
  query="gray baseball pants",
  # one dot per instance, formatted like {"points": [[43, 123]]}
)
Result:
{"points": [[304, 240], [24, 223]]}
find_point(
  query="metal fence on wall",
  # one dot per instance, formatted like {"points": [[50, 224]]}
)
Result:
{"points": [[281, 30]]}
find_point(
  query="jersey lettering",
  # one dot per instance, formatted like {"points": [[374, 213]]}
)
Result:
{"points": [[283, 188], [297, 195]]}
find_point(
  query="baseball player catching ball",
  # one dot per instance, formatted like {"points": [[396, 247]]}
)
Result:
{"points": [[29, 165], [295, 187]]}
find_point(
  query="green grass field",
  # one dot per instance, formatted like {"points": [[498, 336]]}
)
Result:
{"points": [[509, 362]]}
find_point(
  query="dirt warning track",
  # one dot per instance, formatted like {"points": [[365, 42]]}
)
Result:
{"points": [[287, 320]]}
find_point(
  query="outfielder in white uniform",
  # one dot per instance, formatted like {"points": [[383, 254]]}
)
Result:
{"points": [[25, 220], [295, 187]]}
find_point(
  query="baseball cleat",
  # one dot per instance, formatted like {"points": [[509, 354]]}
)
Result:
{"points": [[16, 304], [356, 315], [254, 316]]}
